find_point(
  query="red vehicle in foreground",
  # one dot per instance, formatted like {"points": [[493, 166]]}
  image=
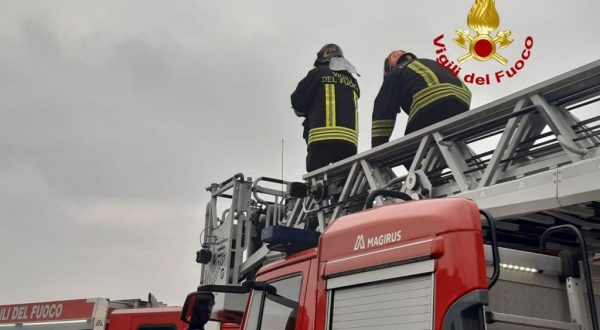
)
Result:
{"points": [[414, 265], [91, 314]]}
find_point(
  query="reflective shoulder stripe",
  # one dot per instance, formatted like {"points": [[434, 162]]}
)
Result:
{"points": [[423, 71]]}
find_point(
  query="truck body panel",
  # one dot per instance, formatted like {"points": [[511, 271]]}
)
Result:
{"points": [[392, 247]]}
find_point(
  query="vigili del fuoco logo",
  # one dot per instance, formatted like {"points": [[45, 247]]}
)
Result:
{"points": [[481, 45]]}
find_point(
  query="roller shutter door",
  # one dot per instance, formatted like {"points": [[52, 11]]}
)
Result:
{"points": [[396, 304]]}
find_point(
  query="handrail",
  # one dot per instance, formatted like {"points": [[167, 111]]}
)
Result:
{"points": [[586, 265]]}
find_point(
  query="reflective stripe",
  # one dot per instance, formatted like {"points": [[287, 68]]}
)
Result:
{"points": [[439, 92], [355, 110], [431, 89], [327, 105], [333, 115], [383, 127], [423, 71], [377, 132], [448, 89], [433, 98], [384, 123], [330, 120], [332, 129], [333, 133]]}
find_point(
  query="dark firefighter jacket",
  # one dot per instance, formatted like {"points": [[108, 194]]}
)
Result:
{"points": [[420, 84], [329, 102]]}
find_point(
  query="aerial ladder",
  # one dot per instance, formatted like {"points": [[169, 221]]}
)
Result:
{"points": [[531, 160]]}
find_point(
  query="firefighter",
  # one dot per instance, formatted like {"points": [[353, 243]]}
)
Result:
{"points": [[427, 92], [327, 98]]}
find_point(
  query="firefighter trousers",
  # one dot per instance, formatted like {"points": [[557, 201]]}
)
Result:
{"points": [[324, 153]]}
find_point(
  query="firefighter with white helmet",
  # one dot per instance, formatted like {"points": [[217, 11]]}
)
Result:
{"points": [[328, 100]]}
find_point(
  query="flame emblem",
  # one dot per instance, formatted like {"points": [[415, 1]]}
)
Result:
{"points": [[483, 19]]}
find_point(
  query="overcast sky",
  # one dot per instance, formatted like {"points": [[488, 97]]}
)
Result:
{"points": [[115, 116]]}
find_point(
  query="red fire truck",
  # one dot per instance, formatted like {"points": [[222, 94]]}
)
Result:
{"points": [[91, 314], [372, 269], [469, 238]]}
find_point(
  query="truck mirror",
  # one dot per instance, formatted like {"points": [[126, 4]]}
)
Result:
{"points": [[298, 189], [260, 286], [197, 309], [224, 288]]}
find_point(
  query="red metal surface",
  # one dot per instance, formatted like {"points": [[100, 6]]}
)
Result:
{"points": [[418, 222], [460, 270], [47, 311], [293, 259], [133, 319], [447, 230], [300, 263]]}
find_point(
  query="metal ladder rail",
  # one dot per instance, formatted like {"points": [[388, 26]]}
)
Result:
{"points": [[463, 185]]}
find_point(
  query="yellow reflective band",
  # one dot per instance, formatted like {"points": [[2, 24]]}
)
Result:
{"points": [[355, 110], [333, 138], [327, 105], [384, 123], [434, 92], [431, 89], [423, 71], [333, 133], [337, 134], [330, 137], [333, 115], [316, 135], [333, 129], [434, 97], [377, 132]]}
